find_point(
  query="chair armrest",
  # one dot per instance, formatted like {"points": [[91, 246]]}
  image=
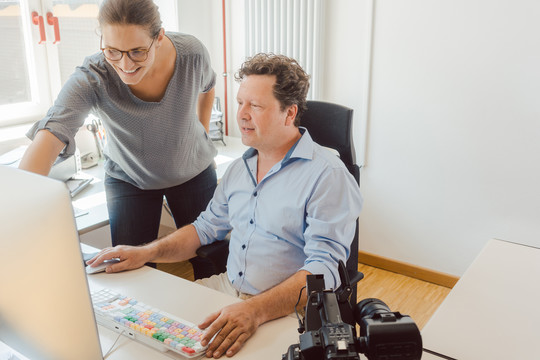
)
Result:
{"points": [[213, 250], [217, 253], [355, 276]]}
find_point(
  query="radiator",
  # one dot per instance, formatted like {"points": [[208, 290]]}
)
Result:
{"points": [[290, 27]]}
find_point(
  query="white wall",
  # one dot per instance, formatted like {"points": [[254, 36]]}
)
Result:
{"points": [[236, 49], [454, 129], [203, 19], [453, 121], [346, 64]]}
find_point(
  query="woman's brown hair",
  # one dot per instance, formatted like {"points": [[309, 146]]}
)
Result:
{"points": [[131, 12]]}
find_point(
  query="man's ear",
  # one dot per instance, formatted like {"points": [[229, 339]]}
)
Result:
{"points": [[291, 114]]}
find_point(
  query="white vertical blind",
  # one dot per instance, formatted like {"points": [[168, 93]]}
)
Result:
{"points": [[289, 27]]}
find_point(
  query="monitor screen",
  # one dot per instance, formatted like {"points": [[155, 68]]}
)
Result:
{"points": [[45, 306]]}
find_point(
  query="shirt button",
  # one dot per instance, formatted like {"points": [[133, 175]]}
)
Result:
{"points": [[251, 221], [243, 246], [255, 193], [240, 273]]}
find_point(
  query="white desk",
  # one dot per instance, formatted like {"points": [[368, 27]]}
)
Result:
{"points": [[192, 302], [492, 312], [93, 201]]}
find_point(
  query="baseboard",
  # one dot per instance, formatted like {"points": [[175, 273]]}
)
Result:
{"points": [[403, 268]]}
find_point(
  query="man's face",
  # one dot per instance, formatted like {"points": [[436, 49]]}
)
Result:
{"points": [[260, 119]]}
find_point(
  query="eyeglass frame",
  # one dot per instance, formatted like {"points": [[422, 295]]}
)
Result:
{"points": [[147, 50]]}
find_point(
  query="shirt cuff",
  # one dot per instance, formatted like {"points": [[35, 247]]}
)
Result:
{"points": [[330, 279], [57, 130], [203, 238]]}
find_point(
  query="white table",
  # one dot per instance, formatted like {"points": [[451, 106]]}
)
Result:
{"points": [[492, 312], [184, 299], [191, 302], [92, 200]]}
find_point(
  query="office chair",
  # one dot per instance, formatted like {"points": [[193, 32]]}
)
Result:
{"points": [[330, 125]]}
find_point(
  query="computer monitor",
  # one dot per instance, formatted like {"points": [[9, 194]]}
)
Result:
{"points": [[45, 306]]}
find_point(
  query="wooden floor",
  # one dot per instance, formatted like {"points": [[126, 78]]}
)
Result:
{"points": [[416, 298]]}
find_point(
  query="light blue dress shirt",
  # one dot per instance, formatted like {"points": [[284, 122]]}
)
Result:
{"points": [[301, 216]]}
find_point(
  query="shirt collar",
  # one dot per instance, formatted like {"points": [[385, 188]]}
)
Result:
{"points": [[302, 149]]}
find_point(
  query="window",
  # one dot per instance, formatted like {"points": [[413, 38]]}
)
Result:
{"points": [[43, 41], [22, 66]]}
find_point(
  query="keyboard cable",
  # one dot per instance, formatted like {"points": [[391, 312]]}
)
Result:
{"points": [[112, 346]]}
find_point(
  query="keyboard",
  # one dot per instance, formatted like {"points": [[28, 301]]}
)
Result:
{"points": [[146, 324]]}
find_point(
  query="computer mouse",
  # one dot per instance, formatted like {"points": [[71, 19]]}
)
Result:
{"points": [[88, 256], [101, 267]]}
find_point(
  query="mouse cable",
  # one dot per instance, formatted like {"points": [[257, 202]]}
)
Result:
{"points": [[112, 346]]}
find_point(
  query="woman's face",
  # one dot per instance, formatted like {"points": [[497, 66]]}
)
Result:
{"points": [[126, 38]]}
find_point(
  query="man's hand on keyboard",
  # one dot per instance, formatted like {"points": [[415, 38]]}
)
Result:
{"points": [[237, 323], [131, 257]]}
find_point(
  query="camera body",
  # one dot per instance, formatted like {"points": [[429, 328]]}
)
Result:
{"points": [[328, 330]]}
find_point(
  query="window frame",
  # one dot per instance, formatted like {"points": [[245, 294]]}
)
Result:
{"points": [[43, 62]]}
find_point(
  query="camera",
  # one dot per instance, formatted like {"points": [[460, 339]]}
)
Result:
{"points": [[328, 329]]}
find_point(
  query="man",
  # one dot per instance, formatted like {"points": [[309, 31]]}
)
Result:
{"points": [[290, 205]]}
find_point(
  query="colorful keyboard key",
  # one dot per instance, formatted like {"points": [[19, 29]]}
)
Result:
{"points": [[146, 324]]}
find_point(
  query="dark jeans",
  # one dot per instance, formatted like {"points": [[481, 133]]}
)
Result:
{"points": [[135, 214]]}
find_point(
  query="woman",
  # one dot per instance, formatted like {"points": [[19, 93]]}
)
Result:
{"points": [[153, 92]]}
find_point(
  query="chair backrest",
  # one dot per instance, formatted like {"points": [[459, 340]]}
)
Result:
{"points": [[330, 125]]}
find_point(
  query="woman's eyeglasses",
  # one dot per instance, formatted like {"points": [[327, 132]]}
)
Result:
{"points": [[136, 55]]}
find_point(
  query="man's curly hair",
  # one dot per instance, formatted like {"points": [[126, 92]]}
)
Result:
{"points": [[292, 82]]}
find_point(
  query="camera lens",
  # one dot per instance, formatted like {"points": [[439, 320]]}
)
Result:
{"points": [[369, 307]]}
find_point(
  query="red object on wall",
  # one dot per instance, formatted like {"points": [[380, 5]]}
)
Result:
{"points": [[53, 20], [38, 20], [225, 69]]}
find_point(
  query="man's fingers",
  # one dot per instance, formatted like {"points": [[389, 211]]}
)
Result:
{"points": [[122, 265], [100, 257], [221, 336], [92, 260], [238, 344], [129, 259], [209, 320], [230, 345], [210, 327]]}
